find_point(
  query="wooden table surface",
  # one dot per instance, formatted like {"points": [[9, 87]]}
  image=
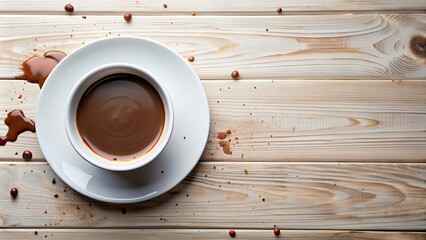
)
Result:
{"points": [[329, 112]]}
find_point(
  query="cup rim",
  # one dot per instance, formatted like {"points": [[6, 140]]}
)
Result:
{"points": [[85, 151]]}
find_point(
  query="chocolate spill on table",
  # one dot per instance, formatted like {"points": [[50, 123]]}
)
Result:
{"points": [[37, 69], [223, 143], [17, 123], [222, 135]]}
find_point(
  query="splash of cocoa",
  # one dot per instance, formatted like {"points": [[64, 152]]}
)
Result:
{"points": [[223, 143], [37, 69], [222, 135], [17, 123]]}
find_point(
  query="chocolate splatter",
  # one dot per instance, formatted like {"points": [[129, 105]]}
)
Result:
{"points": [[17, 123], [37, 69], [227, 149], [223, 143], [222, 135]]}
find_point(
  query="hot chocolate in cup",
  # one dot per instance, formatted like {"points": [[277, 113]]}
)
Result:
{"points": [[119, 117]]}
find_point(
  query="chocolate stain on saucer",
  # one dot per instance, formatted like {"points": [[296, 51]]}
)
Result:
{"points": [[17, 123], [37, 69]]}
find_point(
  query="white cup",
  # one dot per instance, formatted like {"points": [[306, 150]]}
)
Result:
{"points": [[71, 113]]}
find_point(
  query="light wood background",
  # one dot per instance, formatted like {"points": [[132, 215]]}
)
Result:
{"points": [[329, 112]]}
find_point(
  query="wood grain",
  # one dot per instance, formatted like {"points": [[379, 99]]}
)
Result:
{"points": [[218, 7], [187, 234], [233, 195], [278, 119], [299, 120], [368, 46]]}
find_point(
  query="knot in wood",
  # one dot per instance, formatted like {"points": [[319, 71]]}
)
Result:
{"points": [[418, 46]]}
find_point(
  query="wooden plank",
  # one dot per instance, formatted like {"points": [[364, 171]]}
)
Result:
{"points": [[233, 195], [299, 120], [299, 47], [218, 7], [187, 234]]}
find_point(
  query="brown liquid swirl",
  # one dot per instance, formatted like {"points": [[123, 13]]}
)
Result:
{"points": [[121, 117]]}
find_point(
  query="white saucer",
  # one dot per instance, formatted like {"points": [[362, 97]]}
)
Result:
{"points": [[174, 162]]}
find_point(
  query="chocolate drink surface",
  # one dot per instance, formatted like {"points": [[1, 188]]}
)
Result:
{"points": [[121, 117]]}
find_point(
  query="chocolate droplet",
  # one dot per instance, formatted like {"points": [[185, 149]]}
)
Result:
{"points": [[27, 155]]}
